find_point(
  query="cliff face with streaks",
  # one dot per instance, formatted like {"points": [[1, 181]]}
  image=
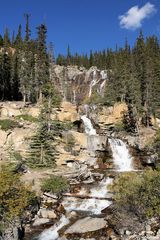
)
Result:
{"points": [[77, 84]]}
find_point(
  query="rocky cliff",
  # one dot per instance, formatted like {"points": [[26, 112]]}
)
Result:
{"points": [[77, 84]]}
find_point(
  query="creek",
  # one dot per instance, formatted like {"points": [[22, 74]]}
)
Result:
{"points": [[97, 193]]}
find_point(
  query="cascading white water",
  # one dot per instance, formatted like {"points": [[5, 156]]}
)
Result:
{"points": [[121, 156], [101, 190], [92, 205], [88, 125], [52, 233], [93, 83]]}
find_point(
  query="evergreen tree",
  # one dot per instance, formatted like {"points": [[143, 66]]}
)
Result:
{"points": [[6, 39], [41, 62], [15, 81], [19, 41], [42, 150], [91, 59], [1, 41], [5, 76], [68, 58], [28, 31]]}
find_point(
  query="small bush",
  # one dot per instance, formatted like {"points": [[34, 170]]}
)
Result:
{"points": [[119, 126], [7, 124], [55, 185], [27, 117], [61, 126], [14, 156]]}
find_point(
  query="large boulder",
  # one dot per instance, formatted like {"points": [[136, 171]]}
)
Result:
{"points": [[87, 224]]}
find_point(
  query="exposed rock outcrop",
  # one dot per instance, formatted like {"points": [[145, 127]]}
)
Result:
{"points": [[87, 224], [77, 83]]}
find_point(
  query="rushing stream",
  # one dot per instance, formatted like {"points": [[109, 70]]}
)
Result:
{"points": [[97, 194], [92, 205]]}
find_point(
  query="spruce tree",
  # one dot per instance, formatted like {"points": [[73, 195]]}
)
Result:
{"points": [[27, 31], [19, 41], [6, 39], [41, 61], [68, 58], [42, 151], [5, 76], [1, 41]]}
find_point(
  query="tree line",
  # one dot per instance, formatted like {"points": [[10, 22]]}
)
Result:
{"points": [[25, 64], [133, 76]]}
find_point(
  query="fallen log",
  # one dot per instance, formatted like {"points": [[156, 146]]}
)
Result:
{"points": [[86, 196], [50, 195]]}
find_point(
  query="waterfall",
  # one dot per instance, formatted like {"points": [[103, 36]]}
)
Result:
{"points": [[88, 125], [93, 83], [121, 156], [52, 233]]}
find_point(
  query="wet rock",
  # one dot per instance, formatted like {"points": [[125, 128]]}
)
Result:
{"points": [[85, 225]]}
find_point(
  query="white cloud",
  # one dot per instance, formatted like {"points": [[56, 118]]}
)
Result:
{"points": [[133, 18]]}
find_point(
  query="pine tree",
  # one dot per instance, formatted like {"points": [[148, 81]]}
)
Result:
{"points": [[1, 41], [41, 61], [42, 150], [91, 59], [19, 41], [5, 76], [68, 58], [15, 81], [6, 39], [28, 31]]}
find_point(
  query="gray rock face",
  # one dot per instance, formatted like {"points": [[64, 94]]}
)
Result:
{"points": [[85, 225], [76, 83]]}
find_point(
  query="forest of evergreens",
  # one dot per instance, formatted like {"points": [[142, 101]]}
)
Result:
{"points": [[27, 74], [133, 72]]}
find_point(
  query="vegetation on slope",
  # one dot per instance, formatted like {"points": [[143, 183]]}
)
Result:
{"points": [[55, 184], [139, 193], [15, 197]]}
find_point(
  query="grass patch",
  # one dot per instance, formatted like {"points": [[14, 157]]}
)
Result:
{"points": [[55, 184], [27, 117], [7, 124], [119, 126]]}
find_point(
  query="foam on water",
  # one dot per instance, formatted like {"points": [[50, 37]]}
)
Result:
{"points": [[88, 125], [122, 159], [92, 205]]}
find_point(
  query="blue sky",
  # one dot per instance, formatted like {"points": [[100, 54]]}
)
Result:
{"points": [[84, 24]]}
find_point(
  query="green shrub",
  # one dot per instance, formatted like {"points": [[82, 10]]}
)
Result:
{"points": [[55, 184], [119, 126], [7, 124], [139, 193], [14, 155], [15, 196], [27, 117]]}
